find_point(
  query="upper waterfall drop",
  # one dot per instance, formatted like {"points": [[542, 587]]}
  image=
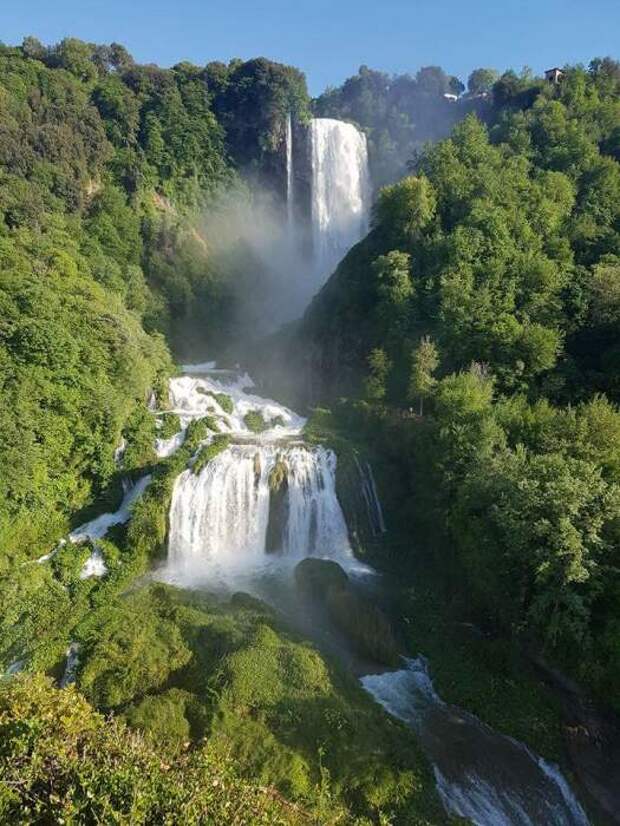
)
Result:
{"points": [[290, 179], [341, 189]]}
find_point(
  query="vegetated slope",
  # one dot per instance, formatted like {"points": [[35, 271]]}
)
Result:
{"points": [[486, 298], [86, 139]]}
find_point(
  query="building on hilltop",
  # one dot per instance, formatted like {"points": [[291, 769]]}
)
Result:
{"points": [[554, 75]]}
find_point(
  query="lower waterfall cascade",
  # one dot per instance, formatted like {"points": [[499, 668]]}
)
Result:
{"points": [[219, 518]]}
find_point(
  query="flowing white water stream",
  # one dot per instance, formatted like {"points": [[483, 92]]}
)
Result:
{"points": [[219, 518], [341, 190], [290, 179], [486, 777]]}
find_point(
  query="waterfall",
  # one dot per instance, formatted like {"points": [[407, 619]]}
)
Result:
{"points": [[233, 514], [290, 182], [222, 514], [340, 190], [371, 497]]}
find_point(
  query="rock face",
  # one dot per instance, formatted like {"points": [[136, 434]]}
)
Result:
{"points": [[317, 578]]}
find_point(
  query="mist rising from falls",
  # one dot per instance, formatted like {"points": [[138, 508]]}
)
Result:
{"points": [[341, 190]]}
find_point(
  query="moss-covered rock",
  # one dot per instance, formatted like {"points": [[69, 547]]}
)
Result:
{"points": [[209, 452], [316, 578], [255, 421], [365, 625], [170, 424], [278, 506], [224, 400]]}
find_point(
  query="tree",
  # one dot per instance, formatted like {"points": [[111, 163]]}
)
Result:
{"points": [[432, 80], [395, 288], [481, 80], [405, 208], [457, 87], [424, 362], [376, 381]]}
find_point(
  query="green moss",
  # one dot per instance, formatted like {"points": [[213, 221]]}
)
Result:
{"points": [[278, 475], [255, 422], [209, 452], [212, 423], [170, 425], [271, 702], [163, 718], [129, 649], [224, 400]]}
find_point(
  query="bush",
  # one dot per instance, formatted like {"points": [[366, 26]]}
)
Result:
{"points": [[209, 452], [62, 762], [255, 422]]}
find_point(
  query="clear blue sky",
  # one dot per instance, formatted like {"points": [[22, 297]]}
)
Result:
{"points": [[330, 39]]}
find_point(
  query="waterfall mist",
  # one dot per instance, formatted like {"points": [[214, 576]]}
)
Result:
{"points": [[274, 251]]}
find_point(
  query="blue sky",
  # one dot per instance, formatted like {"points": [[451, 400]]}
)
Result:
{"points": [[330, 39]]}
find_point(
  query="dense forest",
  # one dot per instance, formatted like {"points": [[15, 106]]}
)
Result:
{"points": [[470, 344], [479, 324]]}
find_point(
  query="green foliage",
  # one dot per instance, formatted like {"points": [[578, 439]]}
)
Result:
{"points": [[125, 659], [224, 400], [424, 362], [503, 249], [380, 366], [481, 80], [170, 425], [61, 761], [209, 452], [255, 422]]}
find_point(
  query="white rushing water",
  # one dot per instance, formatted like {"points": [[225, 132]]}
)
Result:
{"points": [[341, 190], [481, 775], [219, 518], [290, 179]]}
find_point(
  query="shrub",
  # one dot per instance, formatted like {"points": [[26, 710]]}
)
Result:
{"points": [[209, 452], [255, 422]]}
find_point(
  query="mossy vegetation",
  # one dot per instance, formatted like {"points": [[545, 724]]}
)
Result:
{"points": [[255, 421], [284, 714], [170, 425], [63, 762], [224, 400], [278, 506], [208, 452]]}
